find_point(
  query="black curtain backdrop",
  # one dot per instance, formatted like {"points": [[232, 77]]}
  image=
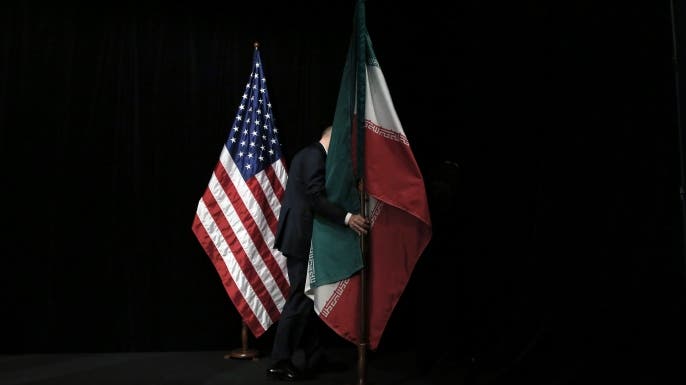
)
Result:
{"points": [[556, 239]]}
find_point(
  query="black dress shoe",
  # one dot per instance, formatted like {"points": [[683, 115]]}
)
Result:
{"points": [[276, 370], [285, 370]]}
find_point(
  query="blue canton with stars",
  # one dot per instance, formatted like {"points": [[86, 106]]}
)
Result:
{"points": [[254, 142]]}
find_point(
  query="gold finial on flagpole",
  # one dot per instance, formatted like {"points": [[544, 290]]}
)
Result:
{"points": [[256, 44]]}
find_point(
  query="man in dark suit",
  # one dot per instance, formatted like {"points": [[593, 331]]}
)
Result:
{"points": [[305, 197]]}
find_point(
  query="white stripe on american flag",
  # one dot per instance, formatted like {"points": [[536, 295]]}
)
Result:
{"points": [[263, 180]]}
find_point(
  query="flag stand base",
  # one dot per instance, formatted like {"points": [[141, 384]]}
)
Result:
{"points": [[242, 354]]}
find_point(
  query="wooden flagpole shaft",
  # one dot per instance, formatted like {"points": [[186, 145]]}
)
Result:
{"points": [[243, 353], [364, 326]]}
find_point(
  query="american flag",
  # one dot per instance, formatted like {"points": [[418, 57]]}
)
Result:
{"points": [[237, 216]]}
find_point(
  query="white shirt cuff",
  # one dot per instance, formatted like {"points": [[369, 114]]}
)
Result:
{"points": [[347, 218]]}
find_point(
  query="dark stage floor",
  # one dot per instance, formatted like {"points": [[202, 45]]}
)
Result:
{"points": [[203, 368], [384, 368]]}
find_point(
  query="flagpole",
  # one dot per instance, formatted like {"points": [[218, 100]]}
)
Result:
{"points": [[358, 121], [243, 353], [364, 306]]}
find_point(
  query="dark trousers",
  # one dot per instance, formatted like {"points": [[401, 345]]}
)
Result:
{"points": [[299, 325]]}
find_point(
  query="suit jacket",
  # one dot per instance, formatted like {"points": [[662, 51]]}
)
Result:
{"points": [[305, 196]]}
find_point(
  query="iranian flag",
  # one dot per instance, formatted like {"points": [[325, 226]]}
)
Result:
{"points": [[368, 133]]}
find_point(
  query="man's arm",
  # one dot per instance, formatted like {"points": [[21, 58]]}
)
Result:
{"points": [[313, 167], [314, 170]]}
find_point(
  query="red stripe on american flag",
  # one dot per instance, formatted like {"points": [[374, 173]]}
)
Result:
{"points": [[277, 186], [229, 285], [261, 200], [237, 250]]}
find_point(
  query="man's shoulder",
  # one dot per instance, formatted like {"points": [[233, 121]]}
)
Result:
{"points": [[309, 150]]}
